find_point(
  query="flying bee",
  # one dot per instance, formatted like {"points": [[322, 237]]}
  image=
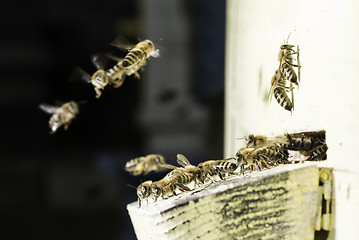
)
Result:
{"points": [[144, 191], [217, 167], [279, 88], [137, 56], [146, 164], [62, 115], [99, 79]]}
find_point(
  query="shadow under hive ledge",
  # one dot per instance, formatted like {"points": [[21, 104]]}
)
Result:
{"points": [[281, 203]]}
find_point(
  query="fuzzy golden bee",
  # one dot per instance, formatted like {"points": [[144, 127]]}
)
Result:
{"points": [[115, 76], [220, 168], [62, 115], [187, 167], [135, 59], [168, 185], [144, 165]]}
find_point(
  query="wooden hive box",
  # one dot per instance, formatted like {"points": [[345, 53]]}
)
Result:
{"points": [[281, 203]]}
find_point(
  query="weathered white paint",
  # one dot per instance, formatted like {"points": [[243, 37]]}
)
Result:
{"points": [[328, 96]]}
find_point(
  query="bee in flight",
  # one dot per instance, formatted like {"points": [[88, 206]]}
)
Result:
{"points": [[146, 164], [133, 61], [62, 115]]}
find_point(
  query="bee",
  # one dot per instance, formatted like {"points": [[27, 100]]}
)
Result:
{"points": [[62, 115], [261, 141], [217, 167], [319, 153], [305, 141], [250, 158], [101, 78], [172, 181], [144, 191], [187, 167], [246, 159], [286, 64], [145, 164], [280, 89], [136, 57], [272, 155]]}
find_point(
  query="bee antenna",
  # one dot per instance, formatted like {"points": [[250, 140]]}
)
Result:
{"points": [[288, 36], [241, 138], [129, 185], [82, 102]]}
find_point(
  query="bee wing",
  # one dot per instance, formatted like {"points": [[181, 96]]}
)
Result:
{"points": [[113, 57], [48, 108], [122, 43], [273, 86], [169, 166], [79, 73], [99, 60], [182, 160]]}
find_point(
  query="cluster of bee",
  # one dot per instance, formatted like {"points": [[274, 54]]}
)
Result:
{"points": [[260, 153], [134, 61], [285, 76], [180, 178], [264, 152]]}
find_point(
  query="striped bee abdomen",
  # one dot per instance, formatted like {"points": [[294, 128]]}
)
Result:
{"points": [[283, 99], [133, 57]]}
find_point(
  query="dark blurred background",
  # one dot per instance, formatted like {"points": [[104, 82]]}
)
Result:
{"points": [[71, 185]]}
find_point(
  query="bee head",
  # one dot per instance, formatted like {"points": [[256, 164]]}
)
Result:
{"points": [[143, 190], [73, 107], [100, 79]]}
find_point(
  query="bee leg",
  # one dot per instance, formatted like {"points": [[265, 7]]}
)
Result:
{"points": [[182, 187], [118, 83], [98, 93], [137, 75], [139, 202], [264, 164], [66, 126], [241, 169]]}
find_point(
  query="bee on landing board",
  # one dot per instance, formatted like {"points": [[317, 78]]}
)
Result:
{"points": [[219, 168], [62, 115], [190, 172]]}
